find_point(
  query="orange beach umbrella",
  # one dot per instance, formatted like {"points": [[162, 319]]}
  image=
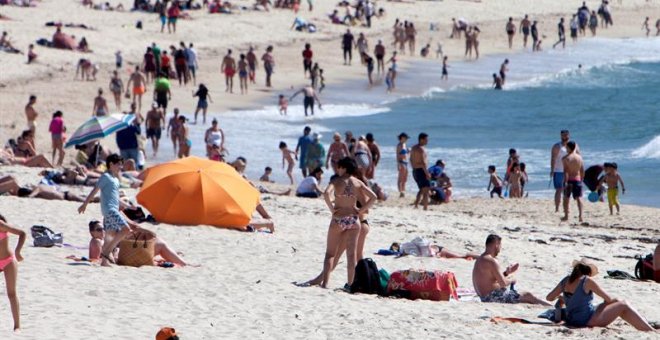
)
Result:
{"points": [[193, 191]]}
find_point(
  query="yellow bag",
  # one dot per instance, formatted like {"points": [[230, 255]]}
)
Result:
{"points": [[138, 249]]}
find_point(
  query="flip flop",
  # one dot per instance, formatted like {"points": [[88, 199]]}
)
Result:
{"points": [[302, 284]]}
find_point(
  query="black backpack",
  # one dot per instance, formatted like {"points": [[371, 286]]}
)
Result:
{"points": [[644, 267], [367, 278]]}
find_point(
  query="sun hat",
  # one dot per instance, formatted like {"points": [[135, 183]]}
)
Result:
{"points": [[585, 262], [166, 333]]}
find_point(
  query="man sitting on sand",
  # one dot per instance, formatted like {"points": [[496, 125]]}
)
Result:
{"points": [[491, 283], [98, 236]]}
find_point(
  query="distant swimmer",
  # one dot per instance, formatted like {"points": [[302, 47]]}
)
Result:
{"points": [[309, 99], [497, 82]]}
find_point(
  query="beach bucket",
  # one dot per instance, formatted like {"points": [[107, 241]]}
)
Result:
{"points": [[593, 197]]}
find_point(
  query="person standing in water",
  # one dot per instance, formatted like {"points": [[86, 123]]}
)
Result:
{"points": [[139, 82], [173, 129], [309, 99], [561, 31], [445, 65], [503, 70], [204, 97]]}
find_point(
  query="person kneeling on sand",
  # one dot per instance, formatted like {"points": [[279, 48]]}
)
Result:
{"points": [[98, 239], [577, 290], [309, 187], [491, 283]]}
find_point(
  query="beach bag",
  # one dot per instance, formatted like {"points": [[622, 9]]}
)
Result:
{"points": [[137, 249], [644, 267], [367, 278], [422, 284], [45, 237], [135, 214]]}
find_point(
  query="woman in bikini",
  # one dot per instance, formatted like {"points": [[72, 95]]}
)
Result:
{"points": [[184, 141], [402, 163], [348, 227], [9, 265]]}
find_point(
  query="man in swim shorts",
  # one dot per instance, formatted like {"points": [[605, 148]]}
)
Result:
{"points": [[229, 68], [31, 114], [503, 70], [139, 82], [154, 127], [493, 284], [525, 25], [419, 162], [309, 99], [252, 64], [574, 173], [557, 166]]}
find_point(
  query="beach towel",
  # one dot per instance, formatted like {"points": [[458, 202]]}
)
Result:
{"points": [[422, 284], [498, 319]]}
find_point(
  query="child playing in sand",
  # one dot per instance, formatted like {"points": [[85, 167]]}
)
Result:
{"points": [[515, 180], [612, 179], [9, 265], [266, 176], [288, 157], [284, 104], [495, 182]]}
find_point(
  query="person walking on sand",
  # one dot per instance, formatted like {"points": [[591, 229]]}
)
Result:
{"points": [[576, 291], [646, 27], [525, 25], [269, 65], [243, 74], [288, 158], [191, 62], [561, 31], [307, 55], [374, 149], [139, 88], [309, 99], [173, 129], [162, 92], [379, 52], [117, 88], [9, 266], [574, 26], [116, 225], [252, 64], [228, 67], [185, 143], [420, 164], [510, 31], [402, 163], [100, 105], [574, 173], [57, 130], [154, 127], [172, 16], [204, 97], [492, 284], [557, 154], [31, 114], [535, 35], [347, 42]]}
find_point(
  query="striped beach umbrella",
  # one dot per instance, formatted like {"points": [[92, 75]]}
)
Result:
{"points": [[97, 128]]}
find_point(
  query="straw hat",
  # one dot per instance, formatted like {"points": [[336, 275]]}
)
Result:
{"points": [[585, 262]]}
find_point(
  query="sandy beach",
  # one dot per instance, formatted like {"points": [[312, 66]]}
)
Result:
{"points": [[244, 285]]}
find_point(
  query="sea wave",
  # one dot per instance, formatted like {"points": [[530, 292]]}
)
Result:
{"points": [[648, 150]]}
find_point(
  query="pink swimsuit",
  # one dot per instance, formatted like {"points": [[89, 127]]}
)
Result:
{"points": [[6, 261]]}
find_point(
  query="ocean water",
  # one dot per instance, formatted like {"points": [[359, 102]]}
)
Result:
{"points": [[610, 105]]}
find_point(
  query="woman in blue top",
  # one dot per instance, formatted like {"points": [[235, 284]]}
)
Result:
{"points": [[116, 225], [577, 290]]}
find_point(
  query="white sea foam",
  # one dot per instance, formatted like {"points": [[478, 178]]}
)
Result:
{"points": [[648, 150]]}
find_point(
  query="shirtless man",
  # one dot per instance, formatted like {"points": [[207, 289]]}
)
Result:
{"points": [[503, 70], [228, 67], [420, 164], [491, 283], [139, 86], [574, 173], [100, 106], [252, 64], [154, 127], [510, 31], [310, 97], [173, 128], [557, 166], [31, 114], [525, 26]]}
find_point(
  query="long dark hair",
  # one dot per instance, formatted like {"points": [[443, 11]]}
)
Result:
{"points": [[578, 271], [349, 165]]}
